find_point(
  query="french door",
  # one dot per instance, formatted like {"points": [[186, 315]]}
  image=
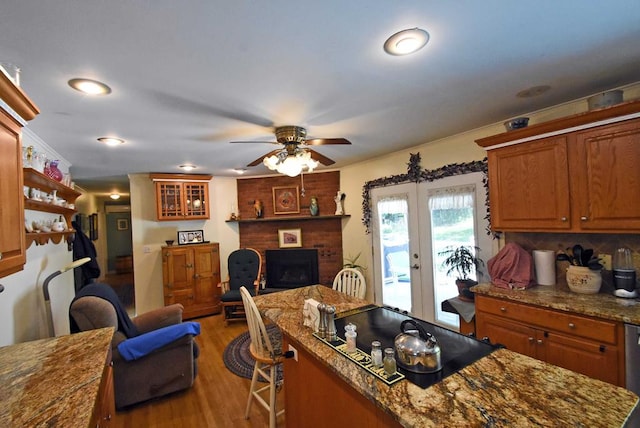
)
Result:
{"points": [[412, 225]]}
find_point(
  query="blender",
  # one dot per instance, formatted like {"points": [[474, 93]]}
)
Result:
{"points": [[624, 274]]}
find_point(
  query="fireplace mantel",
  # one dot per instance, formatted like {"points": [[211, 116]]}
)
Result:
{"points": [[288, 218]]}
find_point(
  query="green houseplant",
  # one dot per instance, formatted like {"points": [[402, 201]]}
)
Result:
{"points": [[461, 262]]}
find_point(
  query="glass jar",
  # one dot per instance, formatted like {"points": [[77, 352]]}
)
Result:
{"points": [[389, 361], [350, 335], [376, 354]]}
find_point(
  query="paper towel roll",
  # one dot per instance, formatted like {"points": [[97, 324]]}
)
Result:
{"points": [[545, 264]]}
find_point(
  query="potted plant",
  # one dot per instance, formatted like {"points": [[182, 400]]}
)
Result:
{"points": [[584, 274], [462, 261], [352, 262]]}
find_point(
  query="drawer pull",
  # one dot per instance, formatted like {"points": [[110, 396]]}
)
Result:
{"points": [[603, 348], [539, 341], [503, 309], [584, 218], [572, 325], [530, 339], [563, 219]]}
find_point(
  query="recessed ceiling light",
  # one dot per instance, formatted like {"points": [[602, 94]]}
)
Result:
{"points": [[240, 170], [111, 141], [90, 87], [533, 91], [406, 42], [188, 167], [115, 196]]}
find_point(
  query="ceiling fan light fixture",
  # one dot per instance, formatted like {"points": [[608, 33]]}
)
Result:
{"points": [[89, 87], [406, 42], [291, 164]]}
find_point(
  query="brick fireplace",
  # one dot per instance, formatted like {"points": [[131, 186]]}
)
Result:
{"points": [[323, 233]]}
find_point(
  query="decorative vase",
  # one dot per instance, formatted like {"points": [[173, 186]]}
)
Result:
{"points": [[51, 170], [583, 280], [313, 207], [258, 208]]}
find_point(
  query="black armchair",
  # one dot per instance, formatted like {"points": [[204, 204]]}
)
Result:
{"points": [[245, 267]]}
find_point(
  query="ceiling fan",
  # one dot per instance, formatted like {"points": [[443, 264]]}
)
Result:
{"points": [[295, 155]]}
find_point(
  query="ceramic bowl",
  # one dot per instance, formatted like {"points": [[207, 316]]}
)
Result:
{"points": [[517, 123]]}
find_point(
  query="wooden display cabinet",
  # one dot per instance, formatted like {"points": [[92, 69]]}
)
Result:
{"points": [[181, 196], [12, 239], [191, 274], [590, 346]]}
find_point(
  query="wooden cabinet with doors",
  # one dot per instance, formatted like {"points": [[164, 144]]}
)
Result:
{"points": [[578, 174], [12, 237], [181, 196], [590, 346], [191, 274]]}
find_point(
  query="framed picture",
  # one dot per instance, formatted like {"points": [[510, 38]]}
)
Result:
{"points": [[190, 237], [289, 238], [122, 224], [286, 200]]}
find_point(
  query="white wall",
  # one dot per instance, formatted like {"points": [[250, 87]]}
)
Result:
{"points": [[148, 234]]}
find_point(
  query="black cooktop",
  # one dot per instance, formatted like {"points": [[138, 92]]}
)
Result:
{"points": [[383, 324]]}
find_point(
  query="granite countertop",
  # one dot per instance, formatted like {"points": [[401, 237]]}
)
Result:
{"points": [[502, 389], [601, 305], [53, 382]]}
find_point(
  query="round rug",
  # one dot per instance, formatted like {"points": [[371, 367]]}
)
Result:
{"points": [[238, 360]]}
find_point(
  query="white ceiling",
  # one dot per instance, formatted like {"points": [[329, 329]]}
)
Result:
{"points": [[190, 76]]}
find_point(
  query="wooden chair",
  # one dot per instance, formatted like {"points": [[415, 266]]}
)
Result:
{"points": [[350, 281], [267, 355], [245, 267]]}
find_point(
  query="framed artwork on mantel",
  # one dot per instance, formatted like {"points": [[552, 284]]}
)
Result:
{"points": [[286, 200]]}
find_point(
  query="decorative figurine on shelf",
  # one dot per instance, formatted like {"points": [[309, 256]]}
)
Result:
{"points": [[51, 170], [258, 208], [314, 209], [339, 199]]}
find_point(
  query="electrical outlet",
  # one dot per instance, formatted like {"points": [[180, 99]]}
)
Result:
{"points": [[295, 352], [605, 260]]}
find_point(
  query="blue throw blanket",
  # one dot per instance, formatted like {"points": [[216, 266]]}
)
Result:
{"points": [[139, 346]]}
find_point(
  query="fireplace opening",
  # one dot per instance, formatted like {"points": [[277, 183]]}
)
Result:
{"points": [[291, 268]]}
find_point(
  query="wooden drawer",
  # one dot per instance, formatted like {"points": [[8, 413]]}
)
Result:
{"points": [[577, 325]]}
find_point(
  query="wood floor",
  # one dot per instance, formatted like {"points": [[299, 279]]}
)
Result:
{"points": [[217, 398]]}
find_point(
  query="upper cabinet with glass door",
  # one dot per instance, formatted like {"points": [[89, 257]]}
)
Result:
{"points": [[181, 196]]}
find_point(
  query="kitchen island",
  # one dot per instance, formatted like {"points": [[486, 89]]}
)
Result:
{"points": [[324, 388], [56, 382]]}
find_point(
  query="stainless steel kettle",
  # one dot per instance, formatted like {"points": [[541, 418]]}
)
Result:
{"points": [[417, 350]]}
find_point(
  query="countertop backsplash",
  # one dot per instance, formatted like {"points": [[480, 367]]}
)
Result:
{"points": [[601, 244]]}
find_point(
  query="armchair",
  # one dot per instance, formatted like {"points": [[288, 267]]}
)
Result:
{"points": [[169, 368], [245, 267]]}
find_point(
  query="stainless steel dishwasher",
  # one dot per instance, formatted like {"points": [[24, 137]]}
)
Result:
{"points": [[632, 366]]}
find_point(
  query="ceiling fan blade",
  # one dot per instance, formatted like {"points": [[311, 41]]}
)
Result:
{"points": [[321, 158], [321, 141], [255, 141], [259, 160]]}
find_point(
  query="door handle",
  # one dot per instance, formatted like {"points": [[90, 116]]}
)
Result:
{"points": [[416, 266]]}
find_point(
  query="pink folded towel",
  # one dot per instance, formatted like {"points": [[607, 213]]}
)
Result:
{"points": [[512, 268]]}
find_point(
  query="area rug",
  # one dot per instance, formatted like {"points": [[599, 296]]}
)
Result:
{"points": [[237, 358]]}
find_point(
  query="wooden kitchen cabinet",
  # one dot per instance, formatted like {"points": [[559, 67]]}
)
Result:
{"points": [[191, 274], [529, 186], [12, 235], [181, 196], [590, 346], [577, 174], [105, 408]]}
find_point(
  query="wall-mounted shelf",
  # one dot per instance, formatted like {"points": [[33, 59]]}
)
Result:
{"points": [[35, 179], [289, 218]]}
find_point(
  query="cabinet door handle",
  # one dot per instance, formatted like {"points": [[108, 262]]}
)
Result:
{"points": [[572, 325], [196, 276], [584, 218], [539, 341], [503, 309], [563, 219], [531, 339]]}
